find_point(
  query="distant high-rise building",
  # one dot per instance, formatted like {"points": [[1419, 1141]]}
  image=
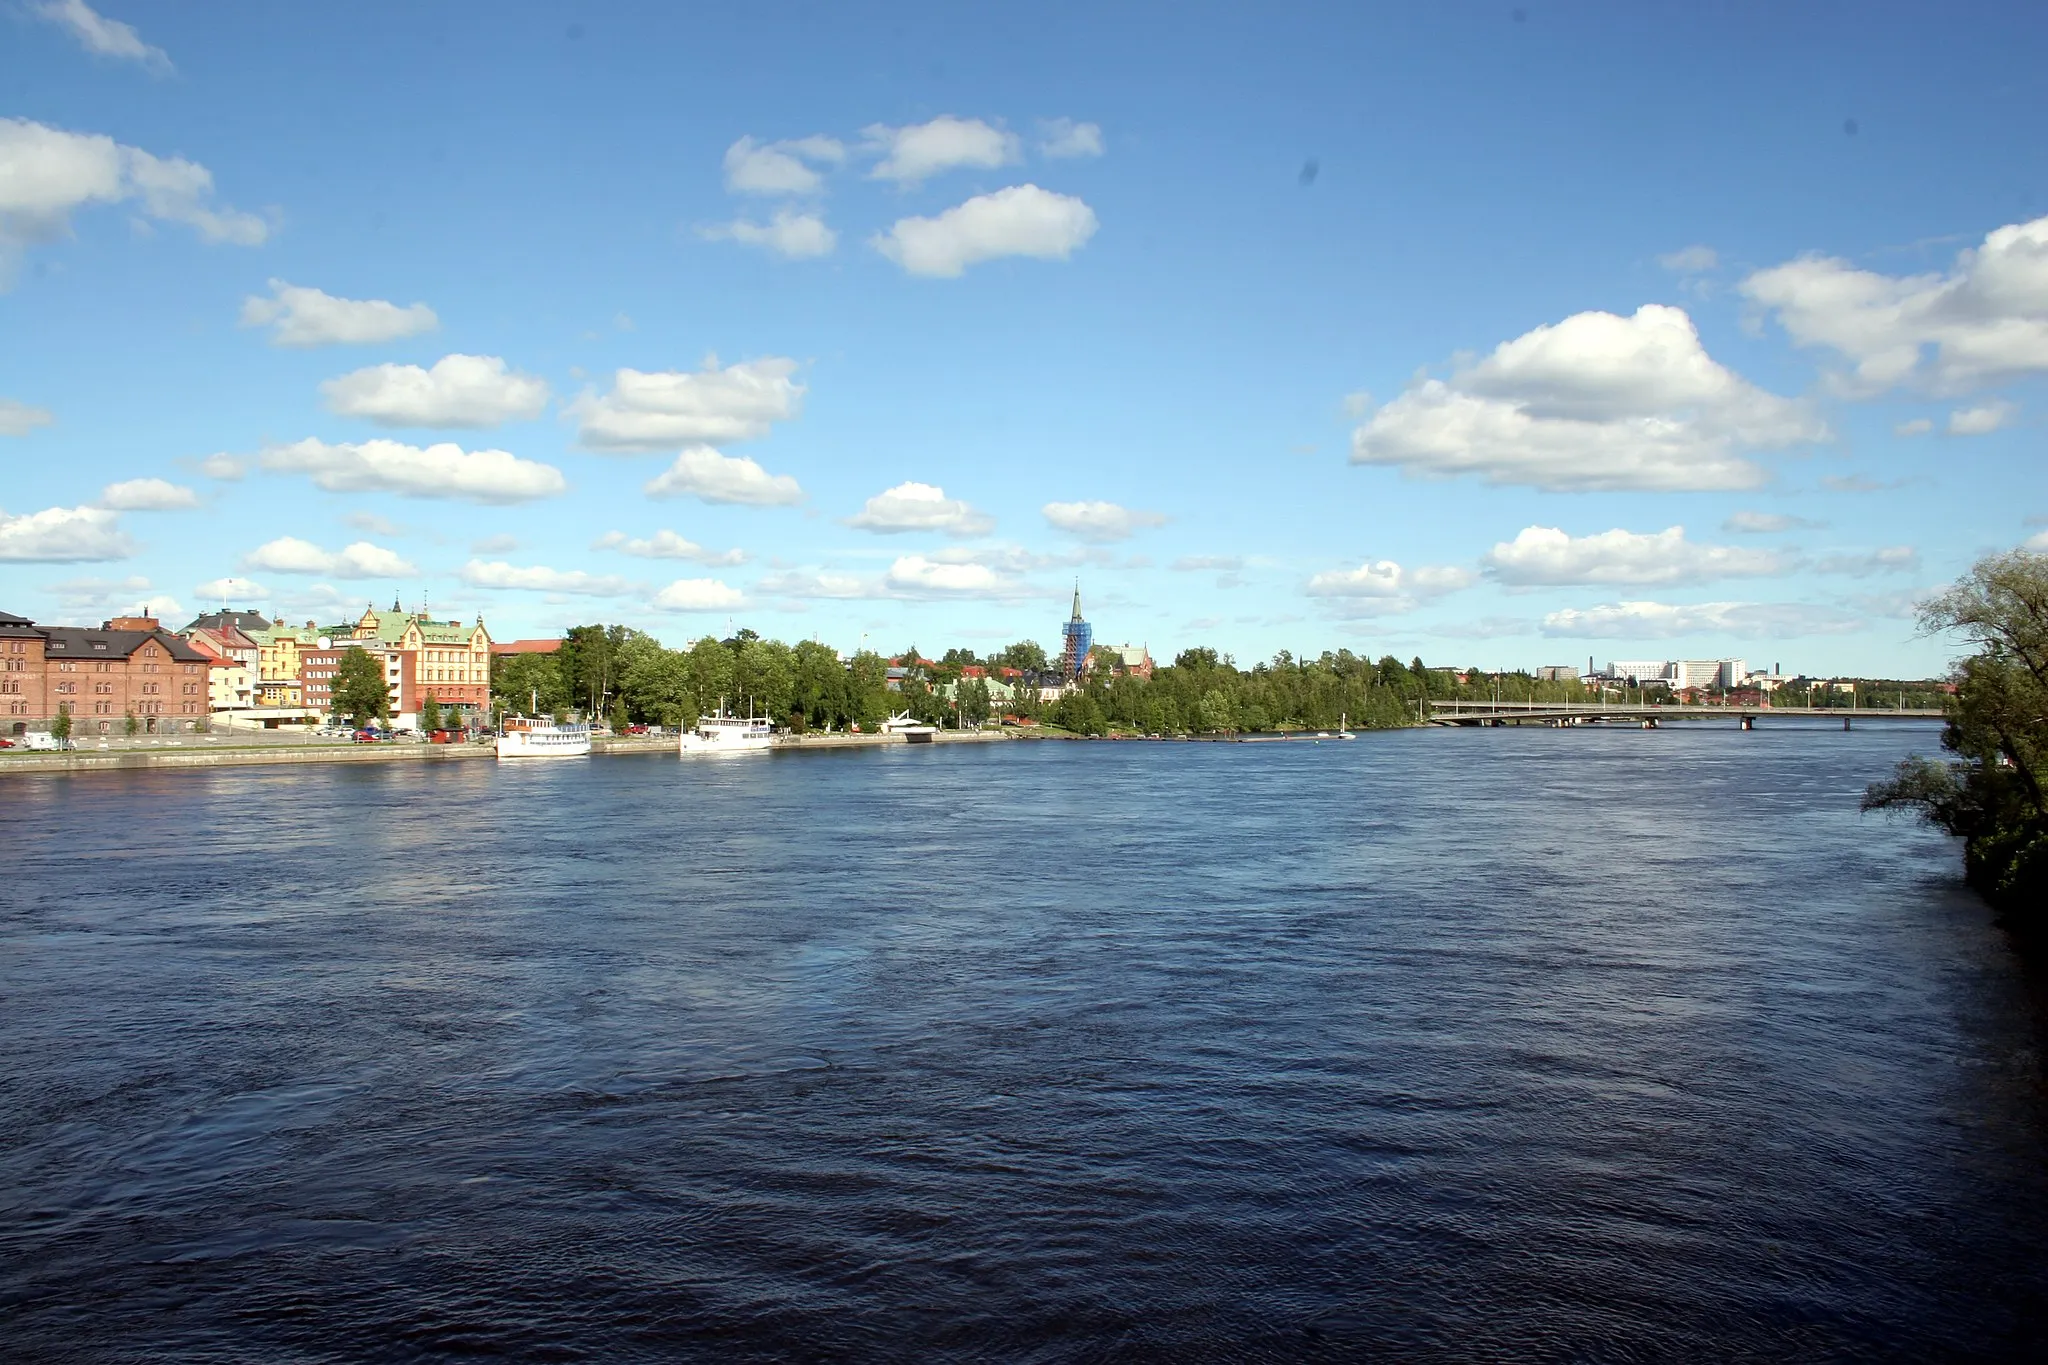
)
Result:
{"points": [[1074, 659]]}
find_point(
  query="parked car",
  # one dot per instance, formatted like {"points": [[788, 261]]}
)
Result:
{"points": [[6, 744], [636, 729], [367, 735]]}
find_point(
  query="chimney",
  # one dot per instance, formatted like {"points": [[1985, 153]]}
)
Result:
{"points": [[132, 623]]}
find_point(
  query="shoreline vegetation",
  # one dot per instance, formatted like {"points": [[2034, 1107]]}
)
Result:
{"points": [[1990, 794], [628, 676]]}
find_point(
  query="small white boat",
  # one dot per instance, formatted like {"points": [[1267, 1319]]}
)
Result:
{"points": [[723, 734], [913, 731], [541, 737]]}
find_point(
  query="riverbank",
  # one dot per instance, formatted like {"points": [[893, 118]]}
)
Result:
{"points": [[171, 755]]}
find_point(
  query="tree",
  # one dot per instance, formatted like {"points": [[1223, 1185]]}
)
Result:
{"points": [[1216, 712], [360, 693], [972, 696], [1991, 795], [60, 728], [430, 714], [1028, 655], [131, 726], [521, 682]]}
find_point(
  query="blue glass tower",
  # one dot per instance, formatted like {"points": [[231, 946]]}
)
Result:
{"points": [[1078, 637]]}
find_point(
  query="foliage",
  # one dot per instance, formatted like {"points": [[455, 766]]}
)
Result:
{"points": [[360, 692], [523, 682], [430, 714], [131, 726], [1991, 794], [61, 726], [1028, 655]]}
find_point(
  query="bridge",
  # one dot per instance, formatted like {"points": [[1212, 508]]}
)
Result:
{"points": [[1559, 713]]}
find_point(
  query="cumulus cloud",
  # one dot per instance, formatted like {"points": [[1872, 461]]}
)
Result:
{"points": [[445, 470], [698, 594], [703, 473], [1660, 620], [1545, 555], [659, 409], [1099, 521], [289, 554], [101, 36], [789, 234], [920, 576], [1767, 523], [61, 535], [19, 419], [224, 467], [826, 585], [1596, 402], [755, 167], [666, 544], [1062, 137], [1919, 426], [110, 596], [459, 391], [1384, 588], [147, 495], [1981, 420], [1690, 260], [47, 173], [1983, 320], [913, 153], [1022, 220], [536, 578], [920, 507], [300, 316], [230, 589]]}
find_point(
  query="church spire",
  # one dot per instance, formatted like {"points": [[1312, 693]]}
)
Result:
{"points": [[1077, 601]]}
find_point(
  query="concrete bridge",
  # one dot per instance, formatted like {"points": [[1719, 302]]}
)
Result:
{"points": [[1558, 713]]}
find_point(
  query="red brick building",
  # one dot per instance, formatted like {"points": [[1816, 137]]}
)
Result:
{"points": [[129, 666]]}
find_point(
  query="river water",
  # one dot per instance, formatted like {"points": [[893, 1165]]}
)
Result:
{"points": [[1532, 1044]]}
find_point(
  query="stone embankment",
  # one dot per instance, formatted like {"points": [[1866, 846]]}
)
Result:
{"points": [[225, 752]]}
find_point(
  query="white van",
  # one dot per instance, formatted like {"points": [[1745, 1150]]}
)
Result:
{"points": [[43, 739]]}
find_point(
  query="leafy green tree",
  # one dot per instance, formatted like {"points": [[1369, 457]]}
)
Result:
{"points": [[972, 697], [589, 661], [522, 682], [710, 667], [1080, 713], [1028, 655], [867, 690], [60, 728], [1991, 794], [131, 726], [656, 683], [360, 692], [1216, 714], [430, 714]]}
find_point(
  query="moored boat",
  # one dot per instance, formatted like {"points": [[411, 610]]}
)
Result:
{"points": [[541, 737], [723, 734]]}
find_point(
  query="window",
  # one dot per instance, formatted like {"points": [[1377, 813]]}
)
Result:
{"points": [[66, 666], [65, 688]]}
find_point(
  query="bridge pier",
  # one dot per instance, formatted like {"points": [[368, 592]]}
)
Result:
{"points": [[1749, 722]]}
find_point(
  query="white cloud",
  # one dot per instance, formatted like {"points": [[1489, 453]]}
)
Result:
{"points": [[132, 596], [289, 554], [698, 594], [230, 589], [59, 535], [1984, 320], [703, 473], [654, 410], [445, 470], [19, 419], [1889, 559], [459, 391], [919, 576], [1981, 420], [753, 167], [1595, 402], [1545, 555], [912, 153], [1919, 426], [147, 495], [1062, 137], [1384, 588], [789, 234], [826, 585], [224, 467], [1659, 620], [667, 544], [101, 36], [1858, 483], [1690, 260], [47, 173], [2037, 542], [1098, 521], [919, 507], [301, 316], [1022, 220], [1767, 523], [536, 578]]}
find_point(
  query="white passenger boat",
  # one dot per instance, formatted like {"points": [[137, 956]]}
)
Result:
{"points": [[541, 737], [913, 731], [722, 734]]}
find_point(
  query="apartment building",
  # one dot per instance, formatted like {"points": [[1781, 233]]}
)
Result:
{"points": [[130, 665]]}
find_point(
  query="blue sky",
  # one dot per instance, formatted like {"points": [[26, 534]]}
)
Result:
{"points": [[1403, 330]]}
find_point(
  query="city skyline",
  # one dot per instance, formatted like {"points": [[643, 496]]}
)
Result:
{"points": [[1426, 346]]}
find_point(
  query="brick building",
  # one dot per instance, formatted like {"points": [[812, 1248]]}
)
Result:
{"points": [[129, 666]]}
